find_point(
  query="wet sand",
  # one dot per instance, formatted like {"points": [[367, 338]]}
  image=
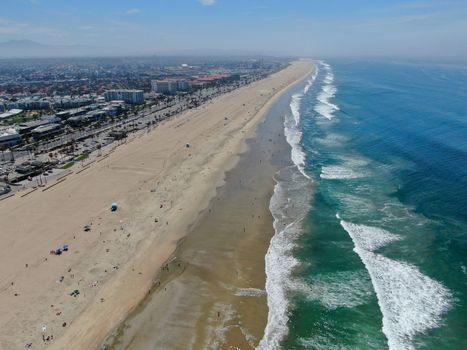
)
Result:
{"points": [[211, 292]]}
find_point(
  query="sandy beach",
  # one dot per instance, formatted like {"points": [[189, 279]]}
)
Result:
{"points": [[163, 188], [212, 292]]}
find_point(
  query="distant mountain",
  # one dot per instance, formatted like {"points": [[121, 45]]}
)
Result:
{"points": [[21, 44], [205, 52], [33, 49]]}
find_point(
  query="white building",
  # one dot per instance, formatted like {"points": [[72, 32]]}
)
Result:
{"points": [[182, 85], [164, 86], [9, 137], [10, 113], [129, 96], [47, 130]]}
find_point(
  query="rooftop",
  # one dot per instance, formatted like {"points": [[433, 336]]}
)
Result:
{"points": [[10, 113]]}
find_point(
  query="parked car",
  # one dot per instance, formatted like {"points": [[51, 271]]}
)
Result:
{"points": [[5, 190]]}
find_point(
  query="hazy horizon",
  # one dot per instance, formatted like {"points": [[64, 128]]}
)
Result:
{"points": [[363, 28]]}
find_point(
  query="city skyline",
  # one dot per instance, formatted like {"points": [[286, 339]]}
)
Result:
{"points": [[336, 28]]}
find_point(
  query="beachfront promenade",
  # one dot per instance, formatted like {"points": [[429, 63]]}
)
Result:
{"points": [[160, 185]]}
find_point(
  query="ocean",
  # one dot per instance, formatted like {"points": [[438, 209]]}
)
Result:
{"points": [[370, 244]]}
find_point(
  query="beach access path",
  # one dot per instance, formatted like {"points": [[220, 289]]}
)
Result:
{"points": [[160, 180]]}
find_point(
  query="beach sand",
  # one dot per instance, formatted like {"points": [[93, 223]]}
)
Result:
{"points": [[211, 294], [161, 187]]}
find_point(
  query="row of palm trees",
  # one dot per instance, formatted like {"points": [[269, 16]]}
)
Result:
{"points": [[4, 148]]}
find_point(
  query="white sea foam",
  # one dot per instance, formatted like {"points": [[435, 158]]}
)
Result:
{"points": [[354, 205], [294, 136], [280, 264], [324, 107], [322, 342], [324, 99], [291, 182], [369, 238], [249, 292], [339, 172], [279, 260], [411, 303], [346, 289], [244, 292], [354, 160], [325, 65], [395, 211], [295, 107], [218, 334], [330, 338], [332, 140], [325, 110], [292, 127], [310, 81]]}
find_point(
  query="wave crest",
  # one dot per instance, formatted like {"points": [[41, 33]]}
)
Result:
{"points": [[411, 303], [324, 107]]}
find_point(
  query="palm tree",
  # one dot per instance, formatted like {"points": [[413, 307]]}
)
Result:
{"points": [[12, 154], [3, 148]]}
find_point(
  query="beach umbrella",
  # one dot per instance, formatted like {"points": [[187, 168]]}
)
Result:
{"points": [[114, 206]]}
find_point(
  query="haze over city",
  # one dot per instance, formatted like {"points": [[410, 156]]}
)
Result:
{"points": [[302, 27]]}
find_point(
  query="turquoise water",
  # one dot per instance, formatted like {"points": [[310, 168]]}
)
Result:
{"points": [[370, 249]]}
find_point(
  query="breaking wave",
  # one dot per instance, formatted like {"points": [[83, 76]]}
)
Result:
{"points": [[292, 127], [289, 205], [324, 107], [411, 303]]}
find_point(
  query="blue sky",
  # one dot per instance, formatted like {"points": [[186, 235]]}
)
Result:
{"points": [[297, 27]]}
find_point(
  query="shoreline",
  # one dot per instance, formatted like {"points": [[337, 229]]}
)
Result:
{"points": [[229, 275], [233, 234], [134, 241], [291, 181]]}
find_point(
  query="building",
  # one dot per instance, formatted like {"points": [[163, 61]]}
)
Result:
{"points": [[45, 131], [9, 137], [135, 97], [90, 117], [114, 108], [164, 86], [118, 134], [25, 129], [29, 167], [63, 115], [94, 116], [10, 113], [30, 104], [38, 103], [69, 102], [182, 85], [209, 79]]}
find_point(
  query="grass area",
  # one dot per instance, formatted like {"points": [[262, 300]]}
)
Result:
{"points": [[81, 157], [73, 162], [68, 165], [18, 119]]}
